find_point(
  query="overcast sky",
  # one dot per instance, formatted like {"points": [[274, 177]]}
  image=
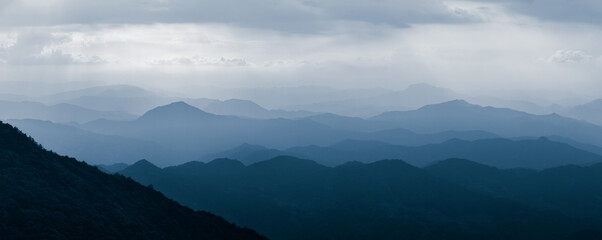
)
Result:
{"points": [[548, 49]]}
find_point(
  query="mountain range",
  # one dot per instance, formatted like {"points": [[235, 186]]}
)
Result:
{"points": [[125, 99], [180, 126], [248, 109], [61, 113], [178, 132], [591, 111], [291, 198], [461, 115], [574, 191], [503, 153], [95, 148], [348, 164]]}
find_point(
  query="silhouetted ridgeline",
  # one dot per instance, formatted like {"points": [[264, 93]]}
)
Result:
{"points": [[503, 153], [291, 198], [46, 196]]}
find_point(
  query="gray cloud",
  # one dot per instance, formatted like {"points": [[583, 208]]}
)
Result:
{"points": [[282, 15], [28, 50], [483, 46], [297, 16], [586, 11], [34, 47], [200, 61], [569, 56]]}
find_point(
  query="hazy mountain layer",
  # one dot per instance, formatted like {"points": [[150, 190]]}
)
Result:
{"points": [[182, 127], [177, 133], [349, 102], [461, 116], [57, 113], [95, 148], [591, 111]]}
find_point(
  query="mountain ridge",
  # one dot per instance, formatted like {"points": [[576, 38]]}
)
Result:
{"points": [[389, 199], [53, 197], [462, 116]]}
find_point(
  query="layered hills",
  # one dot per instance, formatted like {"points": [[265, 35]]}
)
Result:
{"points": [[292, 198], [503, 153]]}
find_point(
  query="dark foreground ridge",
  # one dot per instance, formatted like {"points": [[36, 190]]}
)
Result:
{"points": [[291, 198], [47, 196]]}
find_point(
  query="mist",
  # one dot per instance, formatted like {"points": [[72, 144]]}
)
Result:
{"points": [[300, 119]]}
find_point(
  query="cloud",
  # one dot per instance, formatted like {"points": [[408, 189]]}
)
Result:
{"points": [[291, 16], [485, 46], [200, 61], [584, 11], [7, 40], [35, 46], [295, 16], [569, 56]]}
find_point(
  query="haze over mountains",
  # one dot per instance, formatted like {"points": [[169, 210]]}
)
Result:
{"points": [[591, 111], [92, 147], [460, 115], [61, 113], [292, 102], [297, 119], [176, 131], [419, 163], [287, 197], [308, 172]]}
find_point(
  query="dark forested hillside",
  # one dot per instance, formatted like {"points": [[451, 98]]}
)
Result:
{"points": [[291, 198], [573, 190], [46, 196]]}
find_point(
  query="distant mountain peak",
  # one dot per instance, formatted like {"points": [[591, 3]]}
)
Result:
{"points": [[392, 166], [179, 104], [350, 144], [597, 102], [141, 166], [122, 89], [457, 102], [287, 162], [453, 104], [458, 163], [351, 164], [175, 110], [225, 163], [143, 163], [236, 107]]}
